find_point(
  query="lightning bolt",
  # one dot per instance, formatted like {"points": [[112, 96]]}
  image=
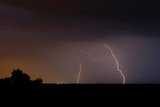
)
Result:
{"points": [[79, 73], [100, 60], [117, 63]]}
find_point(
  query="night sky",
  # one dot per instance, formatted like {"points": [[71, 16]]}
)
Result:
{"points": [[44, 38]]}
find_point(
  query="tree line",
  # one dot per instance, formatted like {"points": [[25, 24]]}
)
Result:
{"points": [[19, 78]]}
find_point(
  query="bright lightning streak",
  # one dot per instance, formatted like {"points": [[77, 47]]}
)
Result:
{"points": [[79, 73], [117, 63], [100, 60]]}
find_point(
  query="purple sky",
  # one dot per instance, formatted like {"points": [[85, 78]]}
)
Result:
{"points": [[38, 38]]}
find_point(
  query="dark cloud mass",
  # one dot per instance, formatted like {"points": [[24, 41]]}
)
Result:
{"points": [[91, 17], [38, 36], [114, 9]]}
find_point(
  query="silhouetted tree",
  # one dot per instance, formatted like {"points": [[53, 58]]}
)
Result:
{"points": [[19, 78]]}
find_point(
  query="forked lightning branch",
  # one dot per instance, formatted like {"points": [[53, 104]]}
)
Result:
{"points": [[101, 59]]}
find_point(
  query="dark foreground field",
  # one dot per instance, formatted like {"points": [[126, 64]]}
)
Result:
{"points": [[101, 94], [84, 91], [19, 88]]}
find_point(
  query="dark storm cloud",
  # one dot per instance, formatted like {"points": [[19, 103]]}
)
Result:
{"points": [[78, 19], [119, 9], [124, 10], [85, 19]]}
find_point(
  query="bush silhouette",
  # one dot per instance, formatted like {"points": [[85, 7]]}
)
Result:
{"points": [[19, 78], [38, 81]]}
